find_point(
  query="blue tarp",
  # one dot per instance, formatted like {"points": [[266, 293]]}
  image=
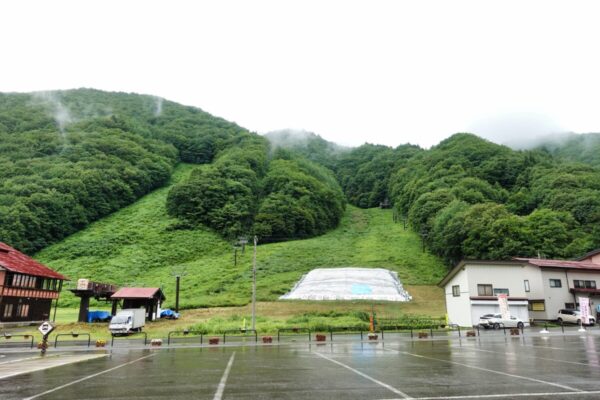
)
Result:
{"points": [[167, 313], [94, 316]]}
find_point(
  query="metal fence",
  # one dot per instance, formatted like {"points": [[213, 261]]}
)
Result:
{"points": [[287, 335]]}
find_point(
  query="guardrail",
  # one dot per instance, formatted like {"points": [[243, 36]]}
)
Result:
{"points": [[112, 341], [8, 336], [185, 333], [295, 332], [242, 333], [72, 334]]}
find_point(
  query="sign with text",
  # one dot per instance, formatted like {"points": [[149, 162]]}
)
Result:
{"points": [[503, 304], [584, 307]]}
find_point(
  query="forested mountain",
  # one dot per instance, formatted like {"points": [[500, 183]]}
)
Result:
{"points": [[470, 198], [70, 157]]}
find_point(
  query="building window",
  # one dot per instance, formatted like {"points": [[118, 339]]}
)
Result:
{"points": [[485, 290], [570, 306], [500, 291], [23, 310], [456, 290], [580, 284], [8, 309], [555, 283], [536, 305]]}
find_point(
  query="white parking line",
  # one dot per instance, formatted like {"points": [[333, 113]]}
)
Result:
{"points": [[569, 388], [221, 387], [507, 395], [385, 385], [528, 356], [87, 377]]}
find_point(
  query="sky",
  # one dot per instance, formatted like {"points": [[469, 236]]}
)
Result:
{"points": [[388, 72]]}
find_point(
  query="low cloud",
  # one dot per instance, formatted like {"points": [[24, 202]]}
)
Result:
{"points": [[518, 130]]}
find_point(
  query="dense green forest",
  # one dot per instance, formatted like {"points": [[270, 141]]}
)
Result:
{"points": [[470, 198], [71, 157]]}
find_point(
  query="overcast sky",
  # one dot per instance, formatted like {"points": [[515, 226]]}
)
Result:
{"points": [[387, 72]]}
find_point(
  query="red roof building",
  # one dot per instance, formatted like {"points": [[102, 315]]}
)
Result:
{"points": [[148, 298], [27, 287]]}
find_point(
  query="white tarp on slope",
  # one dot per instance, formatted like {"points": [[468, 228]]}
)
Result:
{"points": [[349, 284]]}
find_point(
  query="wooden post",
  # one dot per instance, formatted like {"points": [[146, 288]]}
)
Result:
{"points": [[177, 294]]}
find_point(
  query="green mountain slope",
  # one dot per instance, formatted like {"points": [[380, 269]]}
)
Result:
{"points": [[141, 245]]}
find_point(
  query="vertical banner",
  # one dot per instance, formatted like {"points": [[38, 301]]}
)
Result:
{"points": [[584, 307], [503, 304]]}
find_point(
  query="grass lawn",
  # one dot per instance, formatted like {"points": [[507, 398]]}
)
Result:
{"points": [[428, 301], [141, 245]]}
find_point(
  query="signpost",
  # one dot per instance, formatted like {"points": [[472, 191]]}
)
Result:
{"points": [[584, 307], [503, 304], [45, 328]]}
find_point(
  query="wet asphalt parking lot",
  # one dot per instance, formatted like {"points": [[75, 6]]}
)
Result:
{"points": [[560, 367]]}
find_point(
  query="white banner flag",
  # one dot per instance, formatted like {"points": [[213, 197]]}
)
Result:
{"points": [[503, 304], [584, 307]]}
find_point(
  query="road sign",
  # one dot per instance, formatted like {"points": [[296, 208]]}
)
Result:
{"points": [[45, 328]]}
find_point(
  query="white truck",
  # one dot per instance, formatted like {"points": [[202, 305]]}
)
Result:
{"points": [[128, 321]]}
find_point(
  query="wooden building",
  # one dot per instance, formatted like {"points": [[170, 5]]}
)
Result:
{"points": [[27, 287], [148, 298]]}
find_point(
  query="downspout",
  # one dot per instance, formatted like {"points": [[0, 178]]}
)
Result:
{"points": [[56, 303], [2, 284], [574, 295]]}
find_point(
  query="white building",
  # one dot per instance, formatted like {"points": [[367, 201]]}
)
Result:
{"points": [[536, 288]]}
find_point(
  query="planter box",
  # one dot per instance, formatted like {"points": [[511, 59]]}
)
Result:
{"points": [[423, 335], [372, 336], [267, 339], [156, 342], [213, 340], [471, 334], [320, 337]]}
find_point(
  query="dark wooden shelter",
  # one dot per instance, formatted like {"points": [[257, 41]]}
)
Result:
{"points": [[149, 298], [27, 287], [87, 289]]}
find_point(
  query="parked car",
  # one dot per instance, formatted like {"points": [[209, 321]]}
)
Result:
{"points": [[572, 317], [495, 321]]}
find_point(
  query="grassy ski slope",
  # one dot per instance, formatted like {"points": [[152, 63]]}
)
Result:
{"points": [[141, 245]]}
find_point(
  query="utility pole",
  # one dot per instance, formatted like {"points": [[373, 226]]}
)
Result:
{"points": [[254, 285], [177, 273]]}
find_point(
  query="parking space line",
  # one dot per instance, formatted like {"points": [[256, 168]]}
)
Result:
{"points": [[528, 356], [88, 377], [505, 395], [221, 387], [569, 388], [385, 385]]}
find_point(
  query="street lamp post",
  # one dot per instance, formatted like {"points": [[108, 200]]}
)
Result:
{"points": [[177, 273]]}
